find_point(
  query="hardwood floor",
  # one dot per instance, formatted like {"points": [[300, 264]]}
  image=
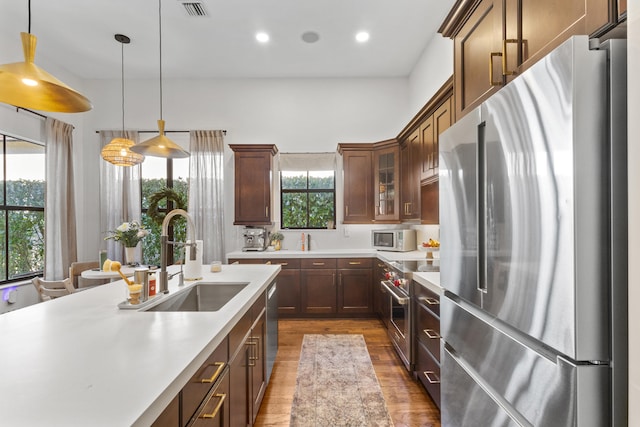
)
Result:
{"points": [[407, 401]]}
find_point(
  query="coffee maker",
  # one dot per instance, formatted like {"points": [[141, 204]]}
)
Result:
{"points": [[255, 239]]}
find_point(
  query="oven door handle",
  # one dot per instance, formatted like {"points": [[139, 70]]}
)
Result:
{"points": [[402, 300]]}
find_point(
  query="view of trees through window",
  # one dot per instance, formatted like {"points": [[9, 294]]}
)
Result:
{"points": [[308, 199], [159, 174], [22, 192]]}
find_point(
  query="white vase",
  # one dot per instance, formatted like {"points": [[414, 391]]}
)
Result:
{"points": [[130, 255]]}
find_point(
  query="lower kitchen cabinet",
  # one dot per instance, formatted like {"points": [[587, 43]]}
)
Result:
{"points": [[318, 286], [247, 366], [195, 394], [427, 339], [354, 285], [324, 287], [288, 282], [215, 411]]}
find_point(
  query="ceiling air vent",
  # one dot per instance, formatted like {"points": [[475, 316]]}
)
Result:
{"points": [[194, 8]]}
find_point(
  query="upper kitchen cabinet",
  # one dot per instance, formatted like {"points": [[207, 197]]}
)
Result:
{"points": [[387, 181], [495, 40], [410, 164], [253, 170], [622, 9], [357, 165], [430, 130]]}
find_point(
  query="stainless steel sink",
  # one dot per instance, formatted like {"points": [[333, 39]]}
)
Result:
{"points": [[203, 296]]}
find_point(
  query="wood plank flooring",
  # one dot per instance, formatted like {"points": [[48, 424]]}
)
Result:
{"points": [[407, 401]]}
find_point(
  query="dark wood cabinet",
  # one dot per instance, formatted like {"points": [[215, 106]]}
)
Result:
{"points": [[288, 282], [426, 305], [247, 365], [622, 9], [410, 164], [196, 396], [170, 417], [376, 289], [257, 359], [357, 162], [354, 285], [387, 182], [252, 186], [215, 411], [318, 286], [495, 40]]}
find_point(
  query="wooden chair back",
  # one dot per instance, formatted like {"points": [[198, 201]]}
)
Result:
{"points": [[50, 289], [75, 271]]}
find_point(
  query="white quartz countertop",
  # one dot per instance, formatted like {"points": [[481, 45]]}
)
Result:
{"points": [[81, 361], [332, 253], [430, 280]]}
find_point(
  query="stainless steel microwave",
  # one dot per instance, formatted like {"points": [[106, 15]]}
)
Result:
{"points": [[394, 240]]}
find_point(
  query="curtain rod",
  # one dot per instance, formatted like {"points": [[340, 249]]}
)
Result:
{"points": [[37, 114], [224, 131]]}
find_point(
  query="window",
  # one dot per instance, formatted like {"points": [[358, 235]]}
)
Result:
{"points": [[22, 191], [157, 174], [307, 190]]}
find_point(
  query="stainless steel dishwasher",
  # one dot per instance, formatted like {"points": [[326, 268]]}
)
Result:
{"points": [[272, 327]]}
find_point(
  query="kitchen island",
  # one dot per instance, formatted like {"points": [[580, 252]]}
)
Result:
{"points": [[80, 360]]}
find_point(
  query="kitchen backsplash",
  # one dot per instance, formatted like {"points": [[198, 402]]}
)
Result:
{"points": [[344, 236]]}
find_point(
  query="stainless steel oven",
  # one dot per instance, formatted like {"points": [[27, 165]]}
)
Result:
{"points": [[396, 285]]}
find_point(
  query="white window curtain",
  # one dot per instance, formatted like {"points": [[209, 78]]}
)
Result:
{"points": [[120, 198], [206, 191], [60, 212]]}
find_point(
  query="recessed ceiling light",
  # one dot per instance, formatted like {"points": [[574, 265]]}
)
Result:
{"points": [[362, 36], [262, 37], [310, 37]]}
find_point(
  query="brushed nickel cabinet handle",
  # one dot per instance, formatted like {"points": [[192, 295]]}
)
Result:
{"points": [[222, 398], [431, 333], [491, 81], [266, 211], [434, 380], [284, 263], [318, 263], [215, 375], [268, 262], [354, 263]]}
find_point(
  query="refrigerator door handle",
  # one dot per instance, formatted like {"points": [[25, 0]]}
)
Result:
{"points": [[481, 207]]}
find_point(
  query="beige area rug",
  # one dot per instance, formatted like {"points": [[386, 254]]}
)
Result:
{"points": [[336, 384]]}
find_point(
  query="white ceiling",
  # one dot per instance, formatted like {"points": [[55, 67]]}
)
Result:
{"points": [[80, 35]]}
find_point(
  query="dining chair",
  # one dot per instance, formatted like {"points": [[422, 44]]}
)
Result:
{"points": [[79, 282], [50, 289]]}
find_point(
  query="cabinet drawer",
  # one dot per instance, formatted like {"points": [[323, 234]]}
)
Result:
{"points": [[215, 410], [427, 298], [200, 384], [428, 371], [285, 263], [307, 263], [355, 262], [428, 331]]}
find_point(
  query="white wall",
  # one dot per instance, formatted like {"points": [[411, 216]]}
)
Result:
{"points": [[633, 54], [433, 68]]}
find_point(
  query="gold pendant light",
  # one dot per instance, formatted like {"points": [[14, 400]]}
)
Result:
{"points": [[117, 151], [160, 146], [26, 85]]}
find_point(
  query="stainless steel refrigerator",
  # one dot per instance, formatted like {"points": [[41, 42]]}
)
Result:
{"points": [[533, 257]]}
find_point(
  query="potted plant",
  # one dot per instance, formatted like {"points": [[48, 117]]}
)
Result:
{"points": [[129, 234], [276, 238]]}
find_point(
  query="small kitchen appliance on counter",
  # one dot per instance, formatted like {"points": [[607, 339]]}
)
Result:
{"points": [[255, 239], [394, 240]]}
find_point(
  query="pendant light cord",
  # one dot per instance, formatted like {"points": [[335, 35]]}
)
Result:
{"points": [[29, 6], [160, 30], [122, 73]]}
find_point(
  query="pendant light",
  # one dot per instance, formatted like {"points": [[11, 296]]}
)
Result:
{"points": [[160, 146], [26, 85], [118, 150]]}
